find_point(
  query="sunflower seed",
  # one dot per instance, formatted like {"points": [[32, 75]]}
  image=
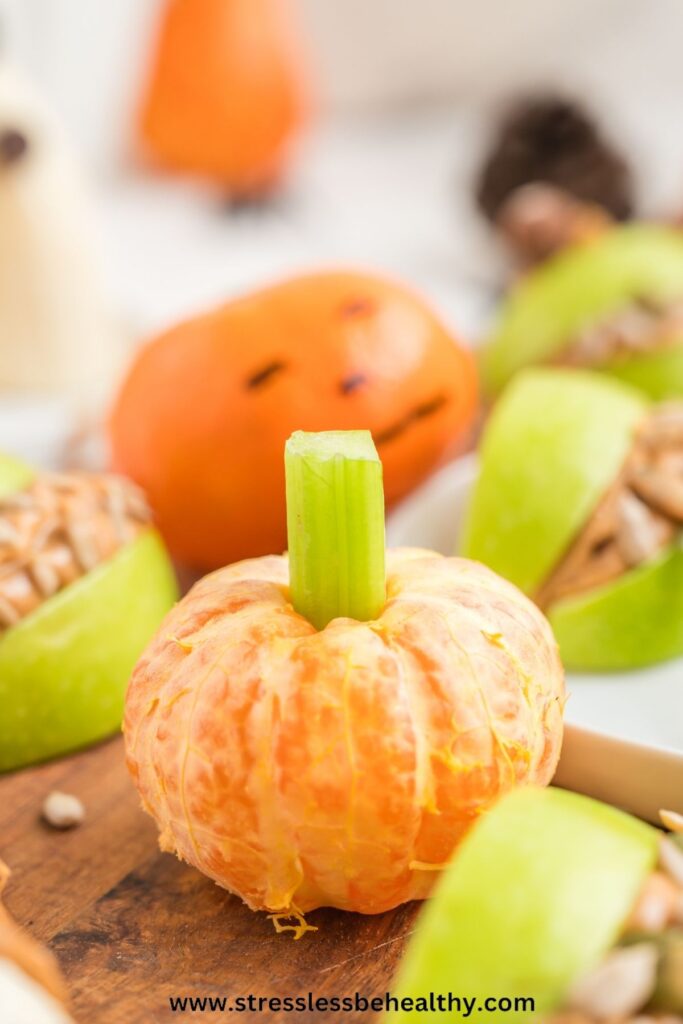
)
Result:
{"points": [[672, 820], [9, 616], [9, 534], [45, 577], [638, 536], [20, 500], [657, 905], [66, 483], [660, 491], [664, 426], [671, 860], [84, 547], [116, 506], [62, 810], [620, 986], [137, 505]]}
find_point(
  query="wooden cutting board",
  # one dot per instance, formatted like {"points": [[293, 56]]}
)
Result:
{"points": [[132, 927]]}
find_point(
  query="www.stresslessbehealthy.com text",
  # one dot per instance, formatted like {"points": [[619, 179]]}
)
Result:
{"points": [[431, 1002]]}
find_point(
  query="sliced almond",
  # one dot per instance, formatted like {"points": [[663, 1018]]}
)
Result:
{"points": [[618, 987]]}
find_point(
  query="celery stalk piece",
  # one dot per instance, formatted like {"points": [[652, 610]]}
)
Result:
{"points": [[335, 525]]}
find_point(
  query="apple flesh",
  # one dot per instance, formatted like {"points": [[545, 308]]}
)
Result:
{"points": [[65, 667], [534, 897], [581, 286]]}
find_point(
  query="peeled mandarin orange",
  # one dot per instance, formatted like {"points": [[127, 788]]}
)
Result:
{"points": [[302, 768]]}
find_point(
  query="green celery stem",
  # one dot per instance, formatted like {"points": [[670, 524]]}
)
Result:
{"points": [[335, 526]]}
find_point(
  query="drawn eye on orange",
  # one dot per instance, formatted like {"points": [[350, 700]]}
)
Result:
{"points": [[265, 374]]}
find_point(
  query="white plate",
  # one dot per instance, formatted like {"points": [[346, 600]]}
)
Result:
{"points": [[624, 739]]}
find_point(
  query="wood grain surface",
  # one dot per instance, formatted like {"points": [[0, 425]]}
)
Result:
{"points": [[132, 926]]}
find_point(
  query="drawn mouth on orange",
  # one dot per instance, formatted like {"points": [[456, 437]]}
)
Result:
{"points": [[413, 416], [350, 384]]}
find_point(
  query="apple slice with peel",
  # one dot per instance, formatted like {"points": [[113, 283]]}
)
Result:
{"points": [[635, 621], [582, 286], [534, 897], [555, 442], [64, 668], [553, 445]]}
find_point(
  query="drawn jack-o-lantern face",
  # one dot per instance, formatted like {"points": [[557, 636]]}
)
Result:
{"points": [[202, 418]]}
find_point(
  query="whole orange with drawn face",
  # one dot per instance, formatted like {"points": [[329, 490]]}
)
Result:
{"points": [[202, 418]]}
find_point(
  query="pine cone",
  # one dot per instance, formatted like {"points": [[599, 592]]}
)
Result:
{"points": [[552, 140]]}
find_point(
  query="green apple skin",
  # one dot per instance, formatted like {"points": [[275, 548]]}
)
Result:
{"points": [[553, 445], [636, 621], [534, 897], [64, 669], [578, 287], [659, 375]]}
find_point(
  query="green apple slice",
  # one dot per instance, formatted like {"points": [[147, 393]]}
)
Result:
{"points": [[579, 287], [65, 667], [635, 621], [535, 896], [553, 445]]}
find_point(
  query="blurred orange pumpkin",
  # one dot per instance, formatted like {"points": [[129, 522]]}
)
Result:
{"points": [[226, 91], [302, 768], [201, 420]]}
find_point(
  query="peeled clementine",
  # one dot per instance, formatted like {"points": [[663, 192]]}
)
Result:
{"points": [[201, 420], [226, 92], [302, 768]]}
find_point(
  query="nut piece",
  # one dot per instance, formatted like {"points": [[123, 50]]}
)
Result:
{"points": [[671, 860], [671, 820], [619, 986], [658, 905], [664, 426], [638, 532], [660, 491], [538, 219], [62, 810]]}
